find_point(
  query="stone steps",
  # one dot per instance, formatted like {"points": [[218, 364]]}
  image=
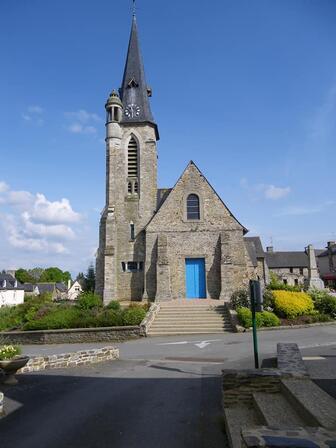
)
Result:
{"points": [[236, 419], [190, 319], [314, 405], [275, 410]]}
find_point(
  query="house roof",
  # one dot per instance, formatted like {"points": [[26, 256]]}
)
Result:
{"points": [[61, 287], [325, 253], [256, 241], [10, 282], [286, 259], [251, 250], [28, 287], [162, 194], [46, 287]]}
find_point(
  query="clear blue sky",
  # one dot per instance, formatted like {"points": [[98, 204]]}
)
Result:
{"points": [[246, 89]]}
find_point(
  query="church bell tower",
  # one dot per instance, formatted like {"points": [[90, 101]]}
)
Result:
{"points": [[131, 182]]}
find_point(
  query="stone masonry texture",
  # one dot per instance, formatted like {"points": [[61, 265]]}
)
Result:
{"points": [[73, 359], [78, 335]]}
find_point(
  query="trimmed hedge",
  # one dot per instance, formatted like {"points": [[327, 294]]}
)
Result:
{"points": [[263, 319], [292, 304]]}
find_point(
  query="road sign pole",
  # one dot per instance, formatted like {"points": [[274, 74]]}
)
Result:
{"points": [[254, 291]]}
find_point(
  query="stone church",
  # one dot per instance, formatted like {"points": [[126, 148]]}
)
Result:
{"points": [[162, 244]]}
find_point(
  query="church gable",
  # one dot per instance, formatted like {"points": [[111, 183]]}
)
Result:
{"points": [[193, 205]]}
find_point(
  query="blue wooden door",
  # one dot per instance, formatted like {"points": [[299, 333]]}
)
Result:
{"points": [[195, 278]]}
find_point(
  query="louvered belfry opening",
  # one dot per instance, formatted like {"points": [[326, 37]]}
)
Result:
{"points": [[132, 166]]}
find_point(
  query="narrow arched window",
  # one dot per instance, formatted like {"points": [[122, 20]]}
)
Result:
{"points": [[132, 158], [193, 207]]}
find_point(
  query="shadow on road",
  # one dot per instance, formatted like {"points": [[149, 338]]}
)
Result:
{"points": [[66, 410]]}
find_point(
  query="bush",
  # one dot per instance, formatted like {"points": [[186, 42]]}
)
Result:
{"points": [[9, 319], [59, 317], [269, 319], [110, 318], [113, 305], [133, 315], [324, 302], [268, 297], [9, 352], [88, 301], [239, 299], [263, 319], [291, 304]]}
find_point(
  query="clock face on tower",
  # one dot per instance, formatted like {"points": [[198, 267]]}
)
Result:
{"points": [[132, 111]]}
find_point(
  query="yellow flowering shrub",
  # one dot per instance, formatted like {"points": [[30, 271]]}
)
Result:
{"points": [[291, 304]]}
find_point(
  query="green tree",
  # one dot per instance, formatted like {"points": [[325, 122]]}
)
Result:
{"points": [[90, 279], [36, 273], [52, 275], [23, 276]]}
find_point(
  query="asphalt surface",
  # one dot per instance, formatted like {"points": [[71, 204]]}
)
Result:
{"points": [[162, 392]]}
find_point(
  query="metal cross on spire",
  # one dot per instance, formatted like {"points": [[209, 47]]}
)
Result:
{"points": [[134, 6]]}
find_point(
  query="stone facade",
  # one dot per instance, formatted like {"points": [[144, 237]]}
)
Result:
{"points": [[144, 238], [72, 359], [70, 336]]}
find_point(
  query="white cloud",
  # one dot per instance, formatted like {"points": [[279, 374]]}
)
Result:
{"points": [[35, 109], [3, 187], [33, 223], [274, 193], [267, 191], [324, 121], [33, 115], [300, 210], [77, 128], [53, 212], [82, 122]]}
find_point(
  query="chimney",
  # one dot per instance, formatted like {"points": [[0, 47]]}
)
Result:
{"points": [[269, 248], [69, 284], [4, 283], [15, 284]]}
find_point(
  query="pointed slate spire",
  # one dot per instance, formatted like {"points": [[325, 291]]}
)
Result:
{"points": [[134, 91]]}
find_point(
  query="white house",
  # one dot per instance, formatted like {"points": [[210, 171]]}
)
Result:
{"points": [[74, 290], [11, 291]]}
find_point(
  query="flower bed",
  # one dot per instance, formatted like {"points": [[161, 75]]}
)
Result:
{"points": [[287, 308]]}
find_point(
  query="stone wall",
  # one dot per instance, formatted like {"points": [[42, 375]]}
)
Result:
{"points": [[78, 335], [217, 237], [73, 359], [239, 385]]}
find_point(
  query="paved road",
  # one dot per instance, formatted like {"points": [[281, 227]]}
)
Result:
{"points": [[163, 392]]}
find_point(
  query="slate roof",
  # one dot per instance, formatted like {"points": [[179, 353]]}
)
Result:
{"points": [[286, 259], [162, 194], [134, 89], [61, 287], [28, 287], [45, 287], [325, 253], [251, 250], [256, 241], [10, 282]]}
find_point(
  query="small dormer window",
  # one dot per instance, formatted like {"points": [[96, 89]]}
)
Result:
{"points": [[193, 207]]}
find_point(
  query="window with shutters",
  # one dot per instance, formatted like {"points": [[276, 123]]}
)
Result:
{"points": [[193, 207], [132, 158]]}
